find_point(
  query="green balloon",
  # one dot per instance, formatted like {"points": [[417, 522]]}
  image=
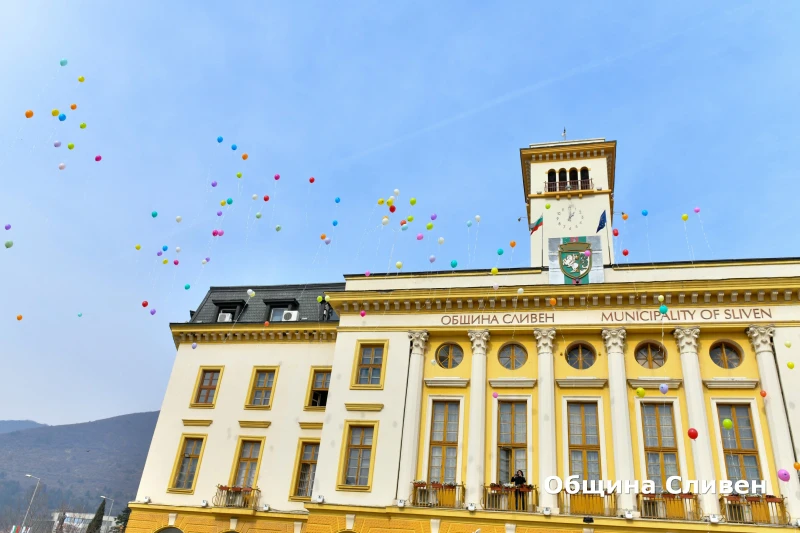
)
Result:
{"points": [[727, 423], [9, 244], [278, 227], [258, 215], [319, 299]]}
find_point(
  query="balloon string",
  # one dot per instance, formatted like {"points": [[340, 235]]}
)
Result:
{"points": [[702, 228], [691, 252], [647, 235]]}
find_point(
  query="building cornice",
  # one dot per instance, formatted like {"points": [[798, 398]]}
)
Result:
{"points": [[447, 382], [363, 406], [512, 383], [648, 382], [248, 332], [581, 383], [263, 424], [730, 383]]}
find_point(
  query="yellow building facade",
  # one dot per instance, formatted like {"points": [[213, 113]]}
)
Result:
{"points": [[410, 402]]}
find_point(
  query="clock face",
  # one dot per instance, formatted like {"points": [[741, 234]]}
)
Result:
{"points": [[569, 217]]}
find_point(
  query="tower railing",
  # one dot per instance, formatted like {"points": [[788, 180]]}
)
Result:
{"points": [[565, 186]]}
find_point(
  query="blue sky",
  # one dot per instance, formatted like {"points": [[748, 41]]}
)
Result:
{"points": [[434, 99]]}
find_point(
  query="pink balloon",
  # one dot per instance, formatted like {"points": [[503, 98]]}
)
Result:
{"points": [[215, 233], [277, 177], [175, 262], [784, 475], [221, 233], [432, 258], [494, 395], [696, 209], [587, 253], [419, 236], [367, 273], [328, 240], [98, 158], [363, 313]]}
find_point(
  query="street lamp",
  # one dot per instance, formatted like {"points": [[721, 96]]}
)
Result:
{"points": [[31, 502], [112, 504]]}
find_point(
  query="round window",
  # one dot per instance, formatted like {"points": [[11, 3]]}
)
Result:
{"points": [[725, 355], [650, 355], [513, 356], [449, 355], [580, 356]]}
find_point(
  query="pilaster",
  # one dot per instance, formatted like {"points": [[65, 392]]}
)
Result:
{"points": [[476, 442], [547, 416], [411, 422]]}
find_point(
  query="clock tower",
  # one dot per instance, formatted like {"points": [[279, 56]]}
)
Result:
{"points": [[569, 188]]}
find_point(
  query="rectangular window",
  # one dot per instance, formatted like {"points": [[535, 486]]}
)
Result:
{"points": [[307, 468], [262, 388], [660, 444], [227, 314], [359, 456], [512, 440], [739, 443], [584, 441], [276, 314], [188, 463], [206, 390], [247, 463], [444, 443], [320, 383], [370, 365]]}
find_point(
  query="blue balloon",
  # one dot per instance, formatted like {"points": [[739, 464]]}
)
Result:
{"points": [[453, 263], [63, 62], [337, 199], [644, 212], [165, 247], [62, 117], [219, 139], [404, 227], [233, 147], [663, 309], [335, 222], [469, 223]]}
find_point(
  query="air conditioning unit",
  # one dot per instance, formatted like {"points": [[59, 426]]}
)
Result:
{"points": [[225, 317], [291, 316]]}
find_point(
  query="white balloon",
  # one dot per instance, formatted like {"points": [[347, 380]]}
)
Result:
{"points": [[255, 197], [177, 249], [178, 218], [520, 291], [441, 240], [251, 293], [478, 218], [397, 192], [204, 261], [385, 220]]}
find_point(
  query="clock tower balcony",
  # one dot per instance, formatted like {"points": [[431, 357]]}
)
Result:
{"points": [[572, 185]]}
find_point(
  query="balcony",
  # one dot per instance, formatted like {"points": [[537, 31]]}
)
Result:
{"points": [[670, 506], [754, 509], [584, 504], [523, 499], [441, 495], [566, 186], [236, 497]]}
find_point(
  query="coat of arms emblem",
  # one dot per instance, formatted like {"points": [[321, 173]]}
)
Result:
{"points": [[575, 263]]}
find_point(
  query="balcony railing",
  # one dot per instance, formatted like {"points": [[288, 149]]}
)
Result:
{"points": [[755, 509], [443, 495], [572, 185], [587, 504], [236, 497], [522, 499], [670, 506]]}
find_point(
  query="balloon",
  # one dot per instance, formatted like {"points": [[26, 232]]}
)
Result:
{"points": [[266, 198], [203, 262], [478, 219], [396, 192], [154, 214], [380, 201], [62, 166], [258, 215], [57, 144], [19, 317], [625, 252], [403, 222], [385, 220], [187, 287], [165, 261], [63, 62], [277, 177], [453, 263], [322, 237], [152, 311], [404, 227], [80, 315], [660, 297], [640, 392], [234, 147], [219, 139], [367, 273], [177, 249], [663, 309], [8, 227], [215, 233], [229, 201], [62, 117], [432, 258], [29, 114], [494, 395], [245, 156], [328, 240], [178, 219], [278, 227], [441, 240], [159, 253], [790, 364], [73, 106], [788, 344], [644, 212], [83, 125], [411, 218], [251, 293], [194, 346], [266, 324], [429, 226], [311, 179], [319, 299], [615, 232], [165, 247], [208, 259], [238, 174], [254, 197], [433, 216], [553, 302], [144, 303], [392, 209], [513, 244], [219, 213], [138, 246], [499, 251], [221, 232], [213, 183], [664, 388], [81, 79], [763, 393], [692, 433], [696, 209], [624, 216], [412, 201], [363, 313], [222, 203], [337, 199], [175, 262], [547, 206], [797, 466], [9, 244], [419, 236], [685, 217], [327, 297], [399, 265], [469, 223], [495, 286], [494, 271], [727, 423], [587, 253], [783, 475], [70, 146], [54, 112], [520, 290]]}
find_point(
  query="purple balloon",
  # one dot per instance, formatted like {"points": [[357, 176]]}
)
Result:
{"points": [[152, 311], [433, 216], [159, 253], [784, 475], [213, 183], [432, 258], [208, 259], [664, 388], [57, 144], [194, 346], [219, 213], [8, 227], [328, 240]]}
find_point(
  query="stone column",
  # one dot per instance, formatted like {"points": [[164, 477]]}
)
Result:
{"points": [[409, 447], [476, 439], [620, 414], [778, 424], [696, 407], [547, 416]]}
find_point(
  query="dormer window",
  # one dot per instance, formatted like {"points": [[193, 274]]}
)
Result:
{"points": [[226, 314], [276, 314], [229, 311], [277, 310]]}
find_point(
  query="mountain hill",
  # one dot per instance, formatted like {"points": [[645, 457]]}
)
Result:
{"points": [[7, 426], [77, 463]]}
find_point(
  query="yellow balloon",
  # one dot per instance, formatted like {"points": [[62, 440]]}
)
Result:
{"points": [[165, 261], [54, 112], [138, 246], [547, 206], [640, 392], [790, 365], [685, 217], [411, 218], [660, 297], [399, 265], [81, 79], [494, 271], [380, 201], [222, 203], [413, 201], [788, 344], [390, 201]]}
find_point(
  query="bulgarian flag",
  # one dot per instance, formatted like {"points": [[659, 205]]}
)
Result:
{"points": [[538, 224]]}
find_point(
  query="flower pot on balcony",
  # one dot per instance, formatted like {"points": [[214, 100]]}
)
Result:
{"points": [[222, 487], [733, 498], [752, 498], [668, 496], [773, 499], [649, 496], [525, 489], [236, 489], [436, 485], [247, 489], [421, 485], [687, 496]]}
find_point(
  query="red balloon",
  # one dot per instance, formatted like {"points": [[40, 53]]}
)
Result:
{"points": [[402, 222], [311, 179], [692, 433], [616, 232], [266, 324], [266, 198], [763, 394], [625, 252], [144, 303], [215, 233], [392, 209], [175, 262]]}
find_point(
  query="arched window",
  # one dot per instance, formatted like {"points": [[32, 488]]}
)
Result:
{"points": [[551, 180], [573, 174], [449, 355], [585, 178], [512, 356], [725, 355], [580, 356], [562, 179], [650, 355]]}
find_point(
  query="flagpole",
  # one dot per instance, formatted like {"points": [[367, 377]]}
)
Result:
{"points": [[543, 242]]}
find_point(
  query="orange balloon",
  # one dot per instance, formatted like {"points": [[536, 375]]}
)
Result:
{"points": [[513, 243], [19, 317], [266, 324], [244, 156], [797, 466], [553, 301], [624, 216], [28, 113], [73, 106], [322, 236]]}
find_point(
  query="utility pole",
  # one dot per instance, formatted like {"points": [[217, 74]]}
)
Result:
{"points": [[22, 527]]}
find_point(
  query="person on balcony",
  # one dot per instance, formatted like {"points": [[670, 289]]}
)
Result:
{"points": [[519, 498]]}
